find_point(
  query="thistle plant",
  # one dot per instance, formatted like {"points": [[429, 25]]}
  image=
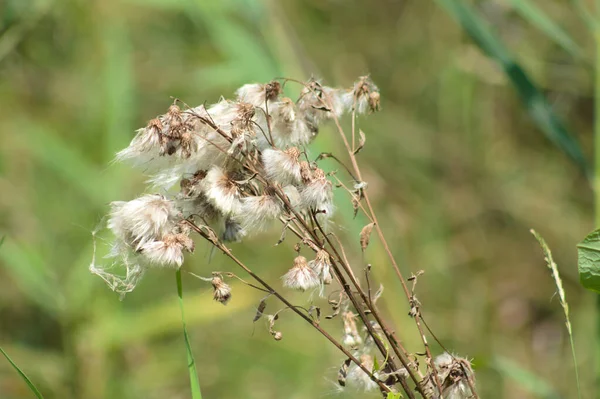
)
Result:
{"points": [[238, 167]]}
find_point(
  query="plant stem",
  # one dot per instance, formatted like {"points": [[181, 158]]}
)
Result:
{"points": [[295, 309], [194, 383], [597, 181]]}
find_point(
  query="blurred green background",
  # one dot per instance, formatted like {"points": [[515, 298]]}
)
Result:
{"points": [[457, 168]]}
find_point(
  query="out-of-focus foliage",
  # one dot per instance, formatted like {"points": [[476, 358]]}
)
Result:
{"points": [[456, 167]]}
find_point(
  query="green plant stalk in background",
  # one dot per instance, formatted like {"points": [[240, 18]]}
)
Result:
{"points": [[563, 300], [32, 387], [597, 180], [194, 383]]}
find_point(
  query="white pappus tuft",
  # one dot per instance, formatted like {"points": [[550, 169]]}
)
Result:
{"points": [[293, 196], [300, 276], [282, 166], [222, 191], [168, 251], [143, 219], [288, 125], [257, 212], [257, 94], [318, 194], [358, 379], [363, 97]]}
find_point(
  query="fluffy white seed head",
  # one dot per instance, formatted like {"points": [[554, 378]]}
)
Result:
{"points": [[288, 125], [300, 276], [453, 373], [320, 265], [168, 251], [257, 212], [142, 220], [282, 167], [257, 94], [293, 196], [363, 97], [358, 379], [318, 194], [222, 191]]}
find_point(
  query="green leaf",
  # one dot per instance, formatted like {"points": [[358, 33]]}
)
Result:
{"points": [[32, 387], [533, 100], [376, 366], [392, 395], [194, 383], [588, 261]]}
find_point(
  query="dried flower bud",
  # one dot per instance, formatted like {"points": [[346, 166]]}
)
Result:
{"points": [[272, 90], [277, 335], [222, 290], [300, 277], [374, 104]]}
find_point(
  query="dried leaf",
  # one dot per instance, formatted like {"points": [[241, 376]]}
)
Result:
{"points": [[262, 305], [365, 235], [361, 141], [343, 372], [317, 311], [355, 205], [282, 237]]}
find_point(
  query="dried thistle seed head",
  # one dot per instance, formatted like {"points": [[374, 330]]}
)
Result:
{"points": [[155, 126], [374, 102], [300, 276], [222, 190], [289, 126], [305, 172], [364, 96], [454, 374], [174, 112], [351, 336], [317, 194], [358, 379], [257, 94], [282, 167], [272, 90], [221, 290], [168, 251], [142, 220], [257, 212], [245, 113], [320, 265]]}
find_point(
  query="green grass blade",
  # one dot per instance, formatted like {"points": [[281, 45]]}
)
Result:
{"points": [[195, 384], [563, 300], [536, 16], [23, 375], [533, 100]]}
